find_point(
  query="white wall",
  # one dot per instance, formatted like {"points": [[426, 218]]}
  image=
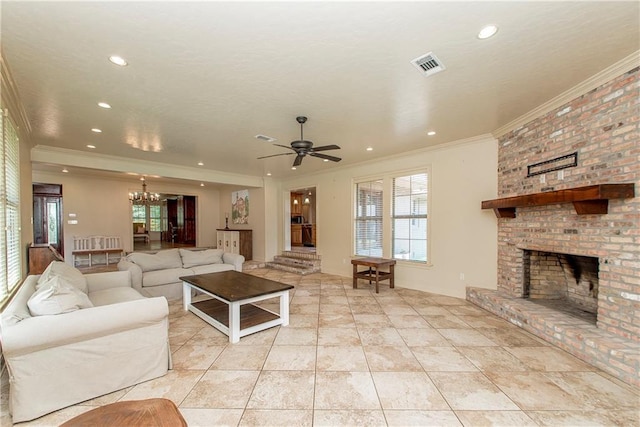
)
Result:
{"points": [[102, 206], [462, 236], [256, 216]]}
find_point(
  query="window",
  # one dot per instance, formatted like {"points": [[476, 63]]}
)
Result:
{"points": [[152, 212], [139, 214], [155, 222], [11, 263], [368, 218], [409, 217], [396, 226]]}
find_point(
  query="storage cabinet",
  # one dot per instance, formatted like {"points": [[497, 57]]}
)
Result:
{"points": [[181, 220], [40, 256], [296, 235], [236, 242], [296, 203]]}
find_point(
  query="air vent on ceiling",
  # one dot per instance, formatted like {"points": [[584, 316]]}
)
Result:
{"points": [[265, 138], [428, 64]]}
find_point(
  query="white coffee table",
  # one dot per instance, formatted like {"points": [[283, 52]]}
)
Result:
{"points": [[230, 308]]}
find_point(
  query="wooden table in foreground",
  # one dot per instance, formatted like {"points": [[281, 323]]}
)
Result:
{"points": [[373, 270], [149, 412], [230, 310]]}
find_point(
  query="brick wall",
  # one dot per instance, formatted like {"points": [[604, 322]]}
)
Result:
{"points": [[603, 126]]}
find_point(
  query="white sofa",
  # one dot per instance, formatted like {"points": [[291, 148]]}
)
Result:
{"points": [[60, 360], [158, 273]]}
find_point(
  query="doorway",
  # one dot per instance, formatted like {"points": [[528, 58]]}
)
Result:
{"points": [[168, 223], [47, 215], [303, 220]]}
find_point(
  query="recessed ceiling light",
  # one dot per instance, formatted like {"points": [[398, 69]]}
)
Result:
{"points": [[96, 130], [487, 32], [91, 146], [268, 173], [325, 160], [65, 170], [118, 60], [200, 164], [431, 133], [369, 148], [293, 168], [202, 184], [265, 138], [104, 105]]}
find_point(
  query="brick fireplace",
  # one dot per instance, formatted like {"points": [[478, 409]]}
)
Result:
{"points": [[556, 239], [564, 281]]}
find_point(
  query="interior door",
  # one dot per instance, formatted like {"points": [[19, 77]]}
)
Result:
{"points": [[47, 215]]}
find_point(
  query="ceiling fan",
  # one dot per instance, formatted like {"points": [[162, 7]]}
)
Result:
{"points": [[303, 148]]}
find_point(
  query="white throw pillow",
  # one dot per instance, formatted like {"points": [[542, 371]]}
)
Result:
{"points": [[195, 258], [57, 296], [158, 261], [64, 270]]}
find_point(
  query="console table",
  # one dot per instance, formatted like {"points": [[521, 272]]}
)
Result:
{"points": [[373, 272], [236, 242]]}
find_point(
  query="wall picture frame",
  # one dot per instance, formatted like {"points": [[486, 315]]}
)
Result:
{"points": [[240, 207]]}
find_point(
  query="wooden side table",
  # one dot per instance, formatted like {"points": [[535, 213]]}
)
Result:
{"points": [[373, 271]]}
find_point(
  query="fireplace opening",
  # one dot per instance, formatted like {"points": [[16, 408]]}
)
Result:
{"points": [[563, 282]]}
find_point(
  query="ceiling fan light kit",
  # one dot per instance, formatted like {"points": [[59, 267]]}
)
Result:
{"points": [[303, 148]]}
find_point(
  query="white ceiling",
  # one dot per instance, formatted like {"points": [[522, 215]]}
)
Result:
{"points": [[205, 77]]}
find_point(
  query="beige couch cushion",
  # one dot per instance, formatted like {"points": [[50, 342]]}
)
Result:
{"points": [[114, 296], [194, 258], [57, 296], [71, 274], [163, 277], [162, 260]]}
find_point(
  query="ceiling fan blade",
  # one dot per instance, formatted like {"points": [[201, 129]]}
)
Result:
{"points": [[284, 146], [326, 147], [274, 155], [324, 156], [298, 160]]}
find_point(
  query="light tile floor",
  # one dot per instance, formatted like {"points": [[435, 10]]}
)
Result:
{"points": [[356, 358]]}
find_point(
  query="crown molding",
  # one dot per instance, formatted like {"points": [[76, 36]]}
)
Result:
{"points": [[628, 63], [11, 100], [73, 158]]}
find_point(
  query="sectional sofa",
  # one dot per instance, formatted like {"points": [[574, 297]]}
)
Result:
{"points": [[68, 337], [158, 273]]}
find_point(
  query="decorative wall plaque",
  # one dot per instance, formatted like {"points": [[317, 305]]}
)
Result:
{"points": [[562, 162]]}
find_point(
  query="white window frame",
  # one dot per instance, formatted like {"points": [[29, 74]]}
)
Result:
{"points": [[413, 217], [10, 219], [387, 218]]}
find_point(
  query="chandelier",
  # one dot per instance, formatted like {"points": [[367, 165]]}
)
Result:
{"points": [[144, 196]]}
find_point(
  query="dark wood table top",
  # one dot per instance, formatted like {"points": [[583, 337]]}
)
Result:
{"points": [[235, 286], [373, 261]]}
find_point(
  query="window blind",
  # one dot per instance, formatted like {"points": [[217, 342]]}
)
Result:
{"points": [[4, 289], [10, 208], [368, 218]]}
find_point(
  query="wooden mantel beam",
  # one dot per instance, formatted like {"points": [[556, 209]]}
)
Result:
{"points": [[589, 200]]}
